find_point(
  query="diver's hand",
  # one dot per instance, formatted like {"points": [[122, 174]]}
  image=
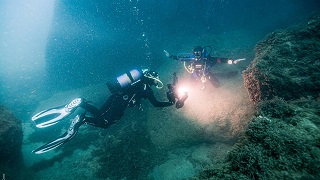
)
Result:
{"points": [[171, 96], [167, 53], [238, 60]]}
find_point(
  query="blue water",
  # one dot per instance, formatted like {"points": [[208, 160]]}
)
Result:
{"points": [[88, 42]]}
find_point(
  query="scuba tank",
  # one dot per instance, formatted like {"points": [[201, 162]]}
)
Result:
{"points": [[206, 51], [124, 81]]}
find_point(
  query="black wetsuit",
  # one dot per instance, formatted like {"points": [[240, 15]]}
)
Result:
{"points": [[113, 109]]}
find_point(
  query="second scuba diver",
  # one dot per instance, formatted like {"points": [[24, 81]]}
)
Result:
{"points": [[200, 62]]}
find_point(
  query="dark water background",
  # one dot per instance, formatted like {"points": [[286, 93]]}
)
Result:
{"points": [[92, 41], [109, 34]]}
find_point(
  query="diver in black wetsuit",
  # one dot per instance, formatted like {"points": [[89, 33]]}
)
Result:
{"points": [[200, 62], [127, 91]]}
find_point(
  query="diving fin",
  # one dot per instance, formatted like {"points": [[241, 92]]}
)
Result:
{"points": [[67, 136], [52, 116]]}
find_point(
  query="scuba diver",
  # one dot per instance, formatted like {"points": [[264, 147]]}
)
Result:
{"points": [[127, 91], [200, 62]]}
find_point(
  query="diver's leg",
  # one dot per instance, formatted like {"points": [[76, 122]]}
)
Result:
{"points": [[52, 116], [110, 103], [213, 80], [67, 136], [97, 122], [111, 111], [94, 111]]}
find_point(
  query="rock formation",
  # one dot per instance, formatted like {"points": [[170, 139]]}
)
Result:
{"points": [[11, 161], [287, 64], [283, 139]]}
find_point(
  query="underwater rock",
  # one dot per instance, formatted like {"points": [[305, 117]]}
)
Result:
{"points": [[11, 160], [286, 64]]}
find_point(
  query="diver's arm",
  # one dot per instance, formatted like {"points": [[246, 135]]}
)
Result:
{"points": [[177, 57], [173, 57], [226, 60], [92, 109], [220, 60], [155, 102]]}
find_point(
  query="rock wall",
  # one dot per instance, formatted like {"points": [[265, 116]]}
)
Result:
{"points": [[287, 64], [11, 161], [282, 140]]}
